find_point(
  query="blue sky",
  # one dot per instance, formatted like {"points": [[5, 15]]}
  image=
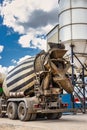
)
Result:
{"points": [[12, 50], [23, 29]]}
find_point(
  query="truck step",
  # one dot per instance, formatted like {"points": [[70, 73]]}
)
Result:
{"points": [[4, 105], [3, 111]]}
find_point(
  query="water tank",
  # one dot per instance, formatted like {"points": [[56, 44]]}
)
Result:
{"points": [[73, 27]]}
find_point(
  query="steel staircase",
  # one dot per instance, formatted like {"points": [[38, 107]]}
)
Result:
{"points": [[80, 90]]}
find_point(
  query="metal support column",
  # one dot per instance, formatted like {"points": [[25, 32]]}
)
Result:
{"points": [[83, 86], [74, 55], [72, 64]]}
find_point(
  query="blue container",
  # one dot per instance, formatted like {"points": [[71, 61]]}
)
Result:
{"points": [[66, 98]]}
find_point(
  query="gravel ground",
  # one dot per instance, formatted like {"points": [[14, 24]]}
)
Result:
{"points": [[67, 122]]}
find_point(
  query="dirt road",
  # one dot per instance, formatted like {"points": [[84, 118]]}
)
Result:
{"points": [[67, 122]]}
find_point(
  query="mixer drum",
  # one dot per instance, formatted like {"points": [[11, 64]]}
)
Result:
{"points": [[20, 78]]}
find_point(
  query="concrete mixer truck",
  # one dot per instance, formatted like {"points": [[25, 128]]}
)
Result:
{"points": [[33, 87]]}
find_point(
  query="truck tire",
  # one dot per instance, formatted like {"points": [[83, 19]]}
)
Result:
{"points": [[59, 115], [23, 112], [2, 115], [33, 116], [12, 110], [52, 115], [40, 115]]}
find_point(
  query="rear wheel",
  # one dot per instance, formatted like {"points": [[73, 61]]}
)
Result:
{"points": [[23, 112], [12, 110], [33, 117], [3, 115], [59, 115]]}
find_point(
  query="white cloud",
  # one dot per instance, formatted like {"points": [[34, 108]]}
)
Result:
{"points": [[25, 40], [19, 11], [23, 58], [47, 28], [5, 70], [31, 40], [13, 61], [46, 5], [20, 16], [10, 68], [20, 59], [17, 14], [1, 48]]}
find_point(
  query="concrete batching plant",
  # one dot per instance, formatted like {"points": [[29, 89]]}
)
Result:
{"points": [[72, 30]]}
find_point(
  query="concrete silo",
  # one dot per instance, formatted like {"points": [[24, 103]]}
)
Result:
{"points": [[73, 28]]}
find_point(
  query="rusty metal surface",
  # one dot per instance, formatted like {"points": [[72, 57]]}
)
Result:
{"points": [[57, 110]]}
